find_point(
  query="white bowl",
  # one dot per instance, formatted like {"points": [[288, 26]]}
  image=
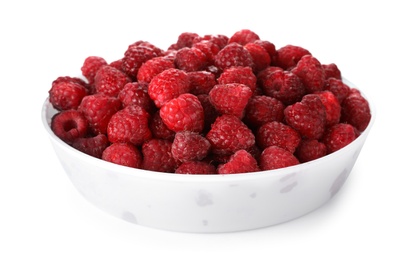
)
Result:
{"points": [[206, 203]]}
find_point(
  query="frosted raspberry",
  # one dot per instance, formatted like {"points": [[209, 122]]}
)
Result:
{"points": [[196, 167], [260, 56], [240, 162], [135, 56], [201, 82], [93, 146], [269, 47], [90, 67], [123, 154], [263, 109], [209, 48], [189, 146], [153, 67], [190, 59], [288, 56], [232, 55], [355, 110], [66, 95], [278, 134], [311, 73], [219, 39], [242, 75], [332, 106], [338, 136], [135, 93], [243, 37], [110, 81], [310, 149], [157, 156], [185, 40], [274, 157], [331, 71], [117, 64], [338, 88], [69, 125]]}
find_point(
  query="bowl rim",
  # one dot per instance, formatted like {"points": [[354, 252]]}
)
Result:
{"points": [[147, 174]]}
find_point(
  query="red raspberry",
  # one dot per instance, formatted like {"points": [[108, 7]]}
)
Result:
{"points": [[338, 88], [90, 67], [284, 86], [201, 82], [242, 75], [311, 73], [135, 56], [98, 110], [240, 162], [338, 136], [184, 113], [243, 37], [331, 71], [278, 134], [220, 40], [159, 129], [135, 93], [117, 64], [110, 81], [189, 146], [229, 134], [93, 146], [310, 149], [355, 110], [230, 98], [123, 154], [66, 95], [157, 156], [269, 47], [209, 48], [263, 109], [195, 167], [260, 56], [308, 117], [210, 113], [129, 125], [288, 56], [70, 79], [232, 55], [185, 40], [153, 67], [190, 59], [69, 125], [167, 85], [274, 157], [332, 106]]}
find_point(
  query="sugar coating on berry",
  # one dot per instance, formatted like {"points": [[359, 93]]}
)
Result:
{"points": [[110, 81], [274, 157], [190, 146], [69, 125], [338, 136], [232, 55], [240, 162], [123, 154], [90, 67], [66, 95], [157, 156], [152, 67], [310, 149], [263, 109], [278, 134], [243, 37], [195, 167], [242, 75]]}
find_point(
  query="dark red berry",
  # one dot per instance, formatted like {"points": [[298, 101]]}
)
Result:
{"points": [[355, 111], [90, 67], [135, 56], [240, 162], [288, 56], [123, 154], [310, 149], [190, 59], [338, 136], [260, 56], [269, 47], [185, 40], [201, 82], [311, 73], [278, 134], [159, 129], [66, 95], [152, 67], [243, 37], [135, 93], [209, 48], [69, 125], [94, 145], [242, 75], [331, 71], [263, 109], [338, 88], [157, 156], [332, 106], [190, 146], [195, 167], [274, 157], [110, 81], [232, 55]]}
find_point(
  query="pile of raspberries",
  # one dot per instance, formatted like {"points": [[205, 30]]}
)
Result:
{"points": [[208, 105]]}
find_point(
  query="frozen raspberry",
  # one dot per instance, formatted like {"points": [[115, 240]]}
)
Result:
{"points": [[355, 110], [184, 113], [219, 39], [209, 48], [190, 59], [311, 73], [260, 56], [230, 98], [129, 125], [167, 85], [135, 56], [69, 125], [274, 157], [69, 79], [195, 167], [117, 64], [229, 134], [310, 149], [90, 67], [93, 146], [110, 81], [123, 154], [269, 47], [332, 106], [232, 55], [153, 67], [210, 113], [185, 40], [338, 88], [159, 129], [288, 56], [98, 110], [331, 71], [66, 95], [243, 37], [308, 117], [240, 162], [135, 93], [338, 136], [157, 156], [278, 134], [284, 86], [189, 146], [242, 75], [201, 82], [263, 109]]}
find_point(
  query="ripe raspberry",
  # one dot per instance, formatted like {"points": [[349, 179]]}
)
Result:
{"points": [[196, 167], [240, 162], [209, 48], [331, 71], [332, 106], [260, 56], [123, 154], [190, 59], [284, 86], [263, 109], [110, 81], [274, 157], [338, 136], [184, 113], [157, 156], [152, 67], [230, 98], [210, 113], [242, 75], [135, 56], [278, 134], [66, 95], [229, 134], [189, 146], [338, 88], [69, 125], [288, 56], [232, 55], [93, 146], [355, 110], [243, 37], [167, 85], [98, 110], [269, 47], [135, 93], [159, 129], [117, 64], [185, 40], [308, 117], [201, 82], [69, 79], [311, 73], [220, 40], [129, 125], [310, 149], [90, 67]]}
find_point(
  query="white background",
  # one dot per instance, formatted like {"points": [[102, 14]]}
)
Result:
{"points": [[44, 217]]}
